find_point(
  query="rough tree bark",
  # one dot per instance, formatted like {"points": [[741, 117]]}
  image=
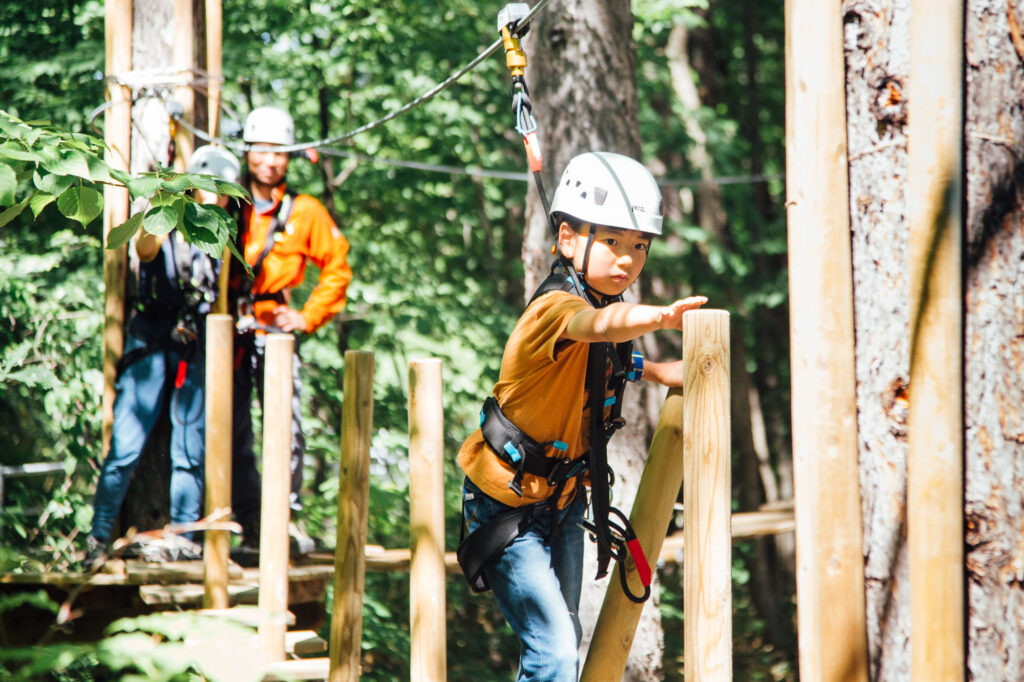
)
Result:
{"points": [[582, 79], [877, 64], [994, 339]]}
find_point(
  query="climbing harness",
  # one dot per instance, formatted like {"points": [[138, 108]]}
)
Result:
{"points": [[615, 538], [245, 299]]}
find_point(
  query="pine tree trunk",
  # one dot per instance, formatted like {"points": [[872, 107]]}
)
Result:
{"points": [[582, 80], [877, 64], [994, 339]]}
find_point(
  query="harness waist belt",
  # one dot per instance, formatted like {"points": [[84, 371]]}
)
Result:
{"points": [[516, 448], [276, 296]]}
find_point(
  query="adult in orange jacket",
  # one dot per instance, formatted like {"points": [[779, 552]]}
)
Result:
{"points": [[279, 234]]}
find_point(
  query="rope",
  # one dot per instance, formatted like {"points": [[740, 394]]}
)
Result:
{"points": [[476, 171]]}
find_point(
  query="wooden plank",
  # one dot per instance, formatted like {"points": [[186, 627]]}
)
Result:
{"points": [[830, 572], [117, 136], [302, 669], [219, 389], [656, 495], [304, 643], [276, 485], [707, 494], [745, 525], [184, 60], [426, 527], [935, 534], [353, 504]]}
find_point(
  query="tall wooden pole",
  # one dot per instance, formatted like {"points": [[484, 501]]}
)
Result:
{"points": [[426, 522], [184, 60], [117, 135], [652, 511], [707, 498], [219, 340], [935, 424], [214, 68], [830, 565], [274, 514], [353, 503]]}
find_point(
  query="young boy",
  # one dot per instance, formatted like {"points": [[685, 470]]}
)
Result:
{"points": [[526, 462]]}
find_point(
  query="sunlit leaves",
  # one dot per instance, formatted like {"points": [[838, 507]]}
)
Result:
{"points": [[80, 203]]}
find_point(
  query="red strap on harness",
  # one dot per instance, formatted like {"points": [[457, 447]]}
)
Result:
{"points": [[179, 380], [533, 155], [643, 569]]}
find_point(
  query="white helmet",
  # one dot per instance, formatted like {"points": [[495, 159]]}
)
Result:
{"points": [[609, 189], [210, 160], [269, 125]]}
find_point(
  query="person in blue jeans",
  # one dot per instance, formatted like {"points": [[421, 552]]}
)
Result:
{"points": [[543, 432], [163, 368]]}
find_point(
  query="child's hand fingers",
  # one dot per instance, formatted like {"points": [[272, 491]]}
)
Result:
{"points": [[672, 315], [693, 302]]}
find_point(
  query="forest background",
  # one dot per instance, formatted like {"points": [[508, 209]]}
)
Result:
{"points": [[438, 267]]}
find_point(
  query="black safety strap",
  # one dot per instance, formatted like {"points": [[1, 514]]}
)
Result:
{"points": [[277, 224]]}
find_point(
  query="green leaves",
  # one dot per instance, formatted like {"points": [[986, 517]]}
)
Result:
{"points": [[65, 167], [80, 203]]}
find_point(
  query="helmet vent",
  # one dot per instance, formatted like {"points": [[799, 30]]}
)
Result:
{"points": [[600, 194]]}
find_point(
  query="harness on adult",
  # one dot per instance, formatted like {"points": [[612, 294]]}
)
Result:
{"points": [[246, 300], [526, 455], [182, 291]]}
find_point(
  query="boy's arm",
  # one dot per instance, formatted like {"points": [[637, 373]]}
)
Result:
{"points": [[665, 373], [623, 321]]}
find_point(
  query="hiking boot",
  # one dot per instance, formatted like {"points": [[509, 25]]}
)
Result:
{"points": [[96, 553], [299, 543], [251, 535]]}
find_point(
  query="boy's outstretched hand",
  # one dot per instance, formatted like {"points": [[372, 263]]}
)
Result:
{"points": [[671, 316]]}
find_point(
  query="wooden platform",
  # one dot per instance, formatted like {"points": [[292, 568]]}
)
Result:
{"points": [[132, 588]]}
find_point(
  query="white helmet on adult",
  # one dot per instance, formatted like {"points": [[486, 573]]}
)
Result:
{"points": [[210, 160], [603, 188], [269, 125]]}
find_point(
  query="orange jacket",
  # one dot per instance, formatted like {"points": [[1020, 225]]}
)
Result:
{"points": [[310, 234]]}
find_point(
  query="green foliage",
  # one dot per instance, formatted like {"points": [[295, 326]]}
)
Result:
{"points": [[161, 647], [63, 166]]}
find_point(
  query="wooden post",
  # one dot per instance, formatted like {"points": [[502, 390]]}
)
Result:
{"points": [[274, 514], [935, 424], [707, 498], [655, 499], [184, 60], [353, 503], [426, 522], [214, 68], [830, 565], [219, 340], [117, 135]]}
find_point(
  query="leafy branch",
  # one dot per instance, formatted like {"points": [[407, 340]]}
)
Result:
{"points": [[64, 168]]}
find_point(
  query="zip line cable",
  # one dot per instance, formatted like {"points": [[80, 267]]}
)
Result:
{"points": [[428, 95], [147, 83]]}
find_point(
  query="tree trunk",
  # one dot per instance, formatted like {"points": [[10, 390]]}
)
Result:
{"points": [[147, 502], [583, 84], [877, 64], [994, 339]]}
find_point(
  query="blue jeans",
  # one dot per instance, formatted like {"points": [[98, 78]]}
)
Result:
{"points": [[143, 389], [537, 586]]}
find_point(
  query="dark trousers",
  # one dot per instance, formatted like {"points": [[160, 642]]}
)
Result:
{"points": [[245, 478]]}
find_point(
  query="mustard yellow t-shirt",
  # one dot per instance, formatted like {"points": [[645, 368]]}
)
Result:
{"points": [[541, 389]]}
